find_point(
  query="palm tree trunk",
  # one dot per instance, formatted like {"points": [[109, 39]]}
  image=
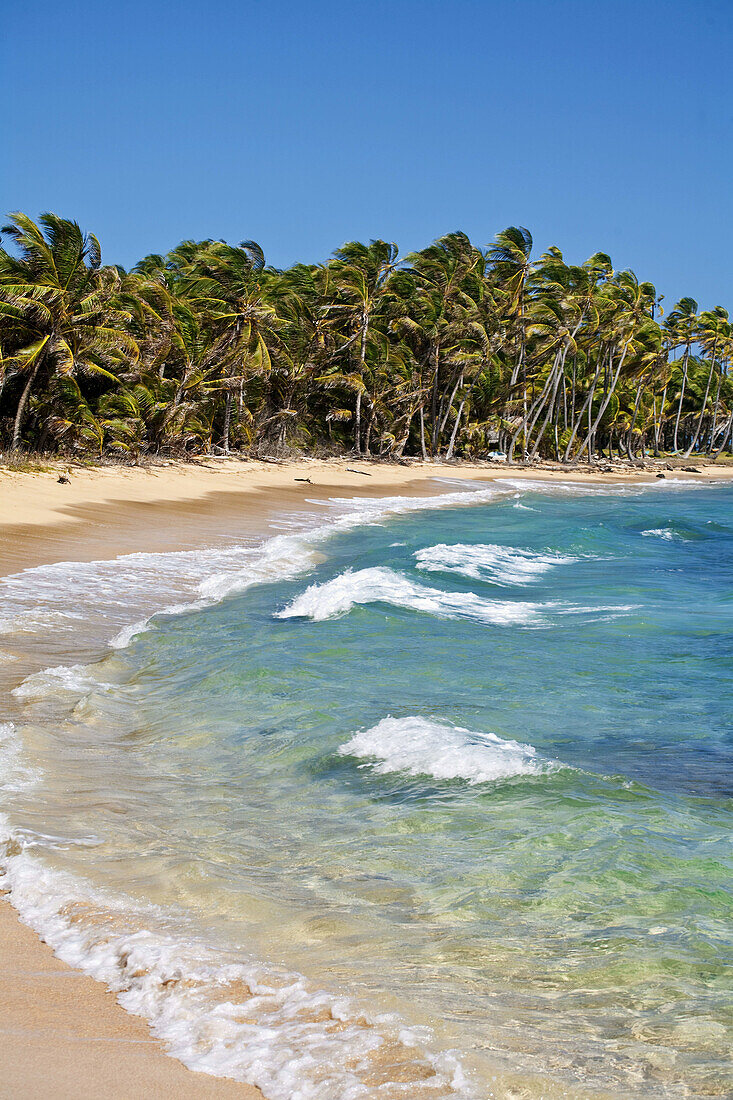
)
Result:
{"points": [[545, 422], [659, 435], [604, 404], [584, 406], [675, 448], [452, 443], [445, 415], [400, 447], [434, 429], [357, 424], [422, 433], [691, 448], [20, 411], [227, 422], [536, 409], [726, 435], [711, 443], [637, 402]]}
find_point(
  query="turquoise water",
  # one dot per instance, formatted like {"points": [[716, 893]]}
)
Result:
{"points": [[473, 768]]}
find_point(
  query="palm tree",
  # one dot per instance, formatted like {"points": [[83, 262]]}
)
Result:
{"points": [[712, 332], [509, 258], [61, 305], [441, 354], [682, 326], [439, 305], [227, 285], [357, 278]]}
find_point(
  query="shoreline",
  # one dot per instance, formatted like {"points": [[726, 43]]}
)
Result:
{"points": [[107, 511], [59, 1023]]}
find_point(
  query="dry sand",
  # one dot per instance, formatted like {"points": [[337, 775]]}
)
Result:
{"points": [[63, 1035], [110, 510]]}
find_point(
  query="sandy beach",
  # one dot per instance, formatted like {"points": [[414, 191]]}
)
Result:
{"points": [[64, 1034]]}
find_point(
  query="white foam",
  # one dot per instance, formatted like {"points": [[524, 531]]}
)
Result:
{"points": [[15, 773], [666, 533], [71, 680], [119, 597], [421, 746], [36, 620], [294, 1041], [502, 565], [380, 585], [217, 1013]]}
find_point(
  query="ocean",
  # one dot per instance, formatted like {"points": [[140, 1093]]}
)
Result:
{"points": [[424, 797]]}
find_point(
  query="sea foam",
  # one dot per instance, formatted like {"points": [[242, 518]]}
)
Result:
{"points": [[377, 584], [381, 585], [502, 565], [16, 773], [422, 746], [120, 597], [220, 1014], [668, 534]]}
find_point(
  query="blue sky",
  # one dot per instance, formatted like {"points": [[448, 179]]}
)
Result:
{"points": [[302, 125]]}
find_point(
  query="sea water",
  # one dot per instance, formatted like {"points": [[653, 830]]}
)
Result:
{"points": [[427, 797]]}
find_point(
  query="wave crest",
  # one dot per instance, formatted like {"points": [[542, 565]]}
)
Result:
{"points": [[502, 565], [381, 585], [420, 746]]}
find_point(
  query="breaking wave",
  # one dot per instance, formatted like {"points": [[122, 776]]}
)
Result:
{"points": [[668, 534], [217, 1012], [120, 597], [381, 585], [502, 565], [421, 746]]}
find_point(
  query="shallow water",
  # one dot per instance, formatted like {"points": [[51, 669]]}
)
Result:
{"points": [[438, 804]]}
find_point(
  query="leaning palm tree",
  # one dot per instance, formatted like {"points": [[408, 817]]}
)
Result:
{"points": [[682, 325], [436, 308], [227, 286], [713, 330], [510, 260], [62, 306], [357, 278]]}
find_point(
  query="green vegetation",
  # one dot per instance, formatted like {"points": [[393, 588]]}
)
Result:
{"points": [[453, 351]]}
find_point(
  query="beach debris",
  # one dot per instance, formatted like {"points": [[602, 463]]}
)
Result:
{"points": [[351, 470], [302, 479], [64, 480]]}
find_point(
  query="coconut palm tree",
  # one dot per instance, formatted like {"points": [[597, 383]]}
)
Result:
{"points": [[713, 329], [227, 285], [357, 282], [442, 354], [61, 305], [682, 327]]}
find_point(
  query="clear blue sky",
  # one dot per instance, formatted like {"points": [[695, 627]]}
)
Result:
{"points": [[599, 125]]}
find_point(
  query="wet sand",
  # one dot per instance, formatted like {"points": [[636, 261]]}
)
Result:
{"points": [[63, 1034]]}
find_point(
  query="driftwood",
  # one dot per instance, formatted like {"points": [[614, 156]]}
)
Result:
{"points": [[350, 470], [302, 479]]}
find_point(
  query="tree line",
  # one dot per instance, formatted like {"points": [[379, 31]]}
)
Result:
{"points": [[452, 351]]}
